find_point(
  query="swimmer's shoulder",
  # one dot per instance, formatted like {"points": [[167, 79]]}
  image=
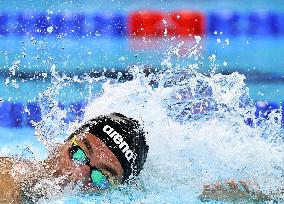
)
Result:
{"points": [[10, 191], [8, 164]]}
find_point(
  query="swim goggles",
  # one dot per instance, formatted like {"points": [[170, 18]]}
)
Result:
{"points": [[78, 155]]}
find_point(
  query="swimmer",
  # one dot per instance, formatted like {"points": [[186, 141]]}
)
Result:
{"points": [[236, 191], [104, 152]]}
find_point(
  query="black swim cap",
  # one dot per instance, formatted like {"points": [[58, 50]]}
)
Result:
{"points": [[124, 137]]}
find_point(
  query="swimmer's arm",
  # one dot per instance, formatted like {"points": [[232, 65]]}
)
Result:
{"points": [[10, 192], [233, 191]]}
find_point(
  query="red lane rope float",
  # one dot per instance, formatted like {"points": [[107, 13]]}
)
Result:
{"points": [[187, 23], [155, 23], [145, 23]]}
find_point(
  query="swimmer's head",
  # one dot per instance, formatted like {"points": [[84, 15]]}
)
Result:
{"points": [[123, 136], [106, 150]]}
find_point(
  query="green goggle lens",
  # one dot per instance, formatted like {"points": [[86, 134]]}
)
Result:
{"points": [[78, 155], [99, 179]]}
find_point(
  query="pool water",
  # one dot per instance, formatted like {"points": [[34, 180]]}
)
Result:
{"points": [[189, 146], [194, 115], [258, 91], [266, 91]]}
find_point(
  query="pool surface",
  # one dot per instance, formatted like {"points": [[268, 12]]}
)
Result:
{"points": [[211, 105]]}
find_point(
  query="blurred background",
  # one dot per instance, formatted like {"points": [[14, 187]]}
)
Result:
{"points": [[94, 36]]}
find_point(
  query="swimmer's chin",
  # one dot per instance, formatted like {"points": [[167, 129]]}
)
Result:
{"points": [[91, 190]]}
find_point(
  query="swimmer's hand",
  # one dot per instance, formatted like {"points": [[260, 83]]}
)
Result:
{"points": [[231, 190]]}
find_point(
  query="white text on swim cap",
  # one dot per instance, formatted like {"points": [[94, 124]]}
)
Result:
{"points": [[118, 139]]}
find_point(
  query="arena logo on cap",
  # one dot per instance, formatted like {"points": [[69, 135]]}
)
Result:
{"points": [[118, 139]]}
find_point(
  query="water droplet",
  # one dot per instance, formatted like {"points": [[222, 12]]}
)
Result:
{"points": [[50, 29]]}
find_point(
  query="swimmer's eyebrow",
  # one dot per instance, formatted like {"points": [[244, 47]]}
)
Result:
{"points": [[87, 144], [111, 170]]}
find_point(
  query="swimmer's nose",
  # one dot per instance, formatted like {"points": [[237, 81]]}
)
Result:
{"points": [[90, 188], [80, 173]]}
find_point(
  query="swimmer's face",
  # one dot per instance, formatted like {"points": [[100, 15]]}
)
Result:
{"points": [[97, 163]]}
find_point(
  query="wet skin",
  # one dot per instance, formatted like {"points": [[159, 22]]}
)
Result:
{"points": [[233, 191], [18, 177], [100, 157]]}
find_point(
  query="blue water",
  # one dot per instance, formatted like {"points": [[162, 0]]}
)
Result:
{"points": [[91, 5], [29, 90], [183, 157], [245, 54], [21, 142], [259, 91], [267, 91]]}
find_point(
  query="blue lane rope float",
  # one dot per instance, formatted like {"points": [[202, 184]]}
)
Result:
{"points": [[263, 23], [75, 111], [15, 114], [33, 113], [263, 109], [5, 114], [3, 24], [71, 24], [254, 23], [226, 22]]}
